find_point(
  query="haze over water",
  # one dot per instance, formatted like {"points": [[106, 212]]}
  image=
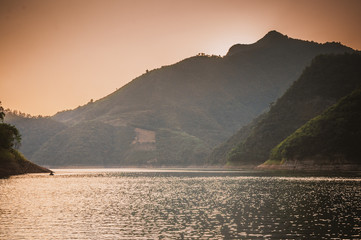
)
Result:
{"points": [[178, 204]]}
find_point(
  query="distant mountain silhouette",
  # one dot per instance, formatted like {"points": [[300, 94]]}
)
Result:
{"points": [[188, 107], [323, 83]]}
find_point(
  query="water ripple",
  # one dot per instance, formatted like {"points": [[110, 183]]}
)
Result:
{"points": [[178, 205]]}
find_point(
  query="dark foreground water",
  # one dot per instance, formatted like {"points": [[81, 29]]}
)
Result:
{"points": [[166, 204]]}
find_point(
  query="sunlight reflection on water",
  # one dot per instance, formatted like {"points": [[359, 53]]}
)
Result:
{"points": [[177, 204]]}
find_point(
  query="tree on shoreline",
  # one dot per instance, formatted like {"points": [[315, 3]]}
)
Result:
{"points": [[9, 134]]}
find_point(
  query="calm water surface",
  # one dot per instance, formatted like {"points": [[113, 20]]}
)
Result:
{"points": [[178, 204]]}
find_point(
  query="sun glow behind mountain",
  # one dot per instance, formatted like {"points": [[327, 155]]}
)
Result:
{"points": [[56, 55]]}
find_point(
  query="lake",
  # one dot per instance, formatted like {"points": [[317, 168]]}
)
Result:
{"points": [[179, 204]]}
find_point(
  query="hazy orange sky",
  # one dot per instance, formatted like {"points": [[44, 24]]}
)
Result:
{"points": [[59, 54]]}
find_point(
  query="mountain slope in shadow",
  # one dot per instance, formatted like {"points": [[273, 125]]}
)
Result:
{"points": [[323, 83]]}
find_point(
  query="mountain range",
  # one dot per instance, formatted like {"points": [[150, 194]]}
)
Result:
{"points": [[174, 115]]}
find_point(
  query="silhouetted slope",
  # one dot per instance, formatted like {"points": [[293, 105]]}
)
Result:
{"points": [[201, 99], [332, 138], [329, 78]]}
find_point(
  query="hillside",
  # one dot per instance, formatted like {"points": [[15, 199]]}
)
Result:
{"points": [[86, 144], [322, 84], [220, 154], [196, 104], [331, 139], [35, 131]]}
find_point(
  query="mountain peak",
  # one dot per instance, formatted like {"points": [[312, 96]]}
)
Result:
{"points": [[272, 37]]}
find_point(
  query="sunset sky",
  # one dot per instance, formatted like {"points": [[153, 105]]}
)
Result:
{"points": [[59, 54]]}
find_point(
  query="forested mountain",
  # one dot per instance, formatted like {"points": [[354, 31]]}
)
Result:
{"points": [[176, 114], [323, 83], [330, 140]]}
